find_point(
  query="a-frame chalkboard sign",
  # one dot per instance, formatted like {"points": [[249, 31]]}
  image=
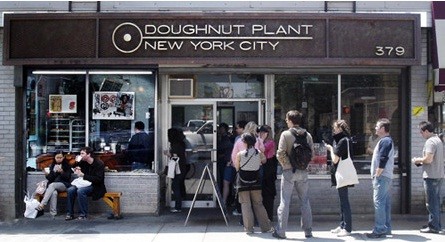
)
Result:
{"points": [[216, 192]]}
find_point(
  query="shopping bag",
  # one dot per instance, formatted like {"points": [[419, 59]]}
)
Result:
{"points": [[173, 167], [31, 205], [41, 187], [80, 182]]}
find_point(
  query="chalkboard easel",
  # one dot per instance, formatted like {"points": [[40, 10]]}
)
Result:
{"points": [[216, 192]]}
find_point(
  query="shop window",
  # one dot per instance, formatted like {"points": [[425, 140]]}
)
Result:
{"points": [[54, 107], [364, 99], [66, 112], [229, 86]]}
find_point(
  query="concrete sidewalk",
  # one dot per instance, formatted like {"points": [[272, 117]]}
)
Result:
{"points": [[204, 225]]}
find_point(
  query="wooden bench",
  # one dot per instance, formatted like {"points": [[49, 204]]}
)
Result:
{"points": [[112, 199]]}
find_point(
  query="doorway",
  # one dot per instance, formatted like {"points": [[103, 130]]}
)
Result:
{"points": [[199, 121]]}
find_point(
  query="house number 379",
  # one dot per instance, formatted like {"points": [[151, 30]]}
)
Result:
{"points": [[389, 50]]}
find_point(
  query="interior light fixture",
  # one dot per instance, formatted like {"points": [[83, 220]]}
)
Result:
{"points": [[97, 72], [368, 98], [119, 72], [58, 72]]}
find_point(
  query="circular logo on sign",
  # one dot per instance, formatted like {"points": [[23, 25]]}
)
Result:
{"points": [[127, 37]]}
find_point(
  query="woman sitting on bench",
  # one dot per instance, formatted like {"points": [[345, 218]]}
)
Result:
{"points": [[59, 178]]}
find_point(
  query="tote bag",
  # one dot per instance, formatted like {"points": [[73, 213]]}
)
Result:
{"points": [[173, 167], [346, 174]]}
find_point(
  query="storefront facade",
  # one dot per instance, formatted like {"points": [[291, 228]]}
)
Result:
{"points": [[197, 70]]}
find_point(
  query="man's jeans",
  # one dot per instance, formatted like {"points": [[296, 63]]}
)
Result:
{"points": [[382, 204], [82, 199], [432, 192], [300, 180]]}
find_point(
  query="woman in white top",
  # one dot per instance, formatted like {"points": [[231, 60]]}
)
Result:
{"points": [[248, 163]]}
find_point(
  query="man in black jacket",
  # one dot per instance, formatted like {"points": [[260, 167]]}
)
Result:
{"points": [[138, 149], [92, 170]]}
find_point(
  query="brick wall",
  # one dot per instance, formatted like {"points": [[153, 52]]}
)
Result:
{"points": [[419, 98], [140, 192], [324, 198], [7, 138]]}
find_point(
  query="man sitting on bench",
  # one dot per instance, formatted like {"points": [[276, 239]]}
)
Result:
{"points": [[93, 170]]}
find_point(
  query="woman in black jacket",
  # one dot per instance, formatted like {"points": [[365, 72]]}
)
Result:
{"points": [[339, 152], [176, 138], [59, 178]]}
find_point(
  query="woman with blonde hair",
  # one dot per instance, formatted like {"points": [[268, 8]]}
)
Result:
{"points": [[251, 128]]}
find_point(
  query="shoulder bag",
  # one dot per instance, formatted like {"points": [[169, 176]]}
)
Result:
{"points": [[247, 180], [346, 174]]}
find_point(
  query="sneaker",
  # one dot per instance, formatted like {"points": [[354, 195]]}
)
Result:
{"points": [[343, 233], [235, 213], [69, 217], [276, 235], [336, 230], [83, 218], [173, 210], [429, 230], [271, 230], [375, 235], [41, 207]]}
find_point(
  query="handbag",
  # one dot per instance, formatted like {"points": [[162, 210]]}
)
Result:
{"points": [[41, 187], [247, 180], [173, 167], [346, 174], [80, 182]]}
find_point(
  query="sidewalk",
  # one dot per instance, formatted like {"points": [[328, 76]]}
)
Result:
{"points": [[204, 225]]}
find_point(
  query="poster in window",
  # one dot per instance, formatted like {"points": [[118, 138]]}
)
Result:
{"points": [[113, 105], [62, 103]]}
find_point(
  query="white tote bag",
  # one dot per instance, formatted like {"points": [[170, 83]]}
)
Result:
{"points": [[173, 167], [346, 173], [31, 205]]}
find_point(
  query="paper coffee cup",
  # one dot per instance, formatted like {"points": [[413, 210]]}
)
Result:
{"points": [[46, 169], [78, 158]]}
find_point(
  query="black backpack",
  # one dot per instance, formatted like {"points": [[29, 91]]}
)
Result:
{"points": [[301, 153]]}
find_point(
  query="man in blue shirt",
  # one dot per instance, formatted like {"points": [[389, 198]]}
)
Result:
{"points": [[382, 166]]}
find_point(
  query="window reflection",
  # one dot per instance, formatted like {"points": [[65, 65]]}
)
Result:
{"points": [[364, 99], [230, 86], [56, 114]]}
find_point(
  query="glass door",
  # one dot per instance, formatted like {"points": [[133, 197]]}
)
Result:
{"points": [[198, 122]]}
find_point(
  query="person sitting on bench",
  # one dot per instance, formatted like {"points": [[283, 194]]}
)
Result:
{"points": [[59, 178], [93, 170]]}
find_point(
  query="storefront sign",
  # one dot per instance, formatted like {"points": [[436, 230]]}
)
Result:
{"points": [[218, 39]]}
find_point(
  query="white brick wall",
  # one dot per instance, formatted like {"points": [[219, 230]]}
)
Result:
{"points": [[7, 137], [419, 97], [139, 192], [324, 198]]}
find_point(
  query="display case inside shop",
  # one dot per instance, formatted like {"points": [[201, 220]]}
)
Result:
{"points": [[318, 164], [65, 134]]}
